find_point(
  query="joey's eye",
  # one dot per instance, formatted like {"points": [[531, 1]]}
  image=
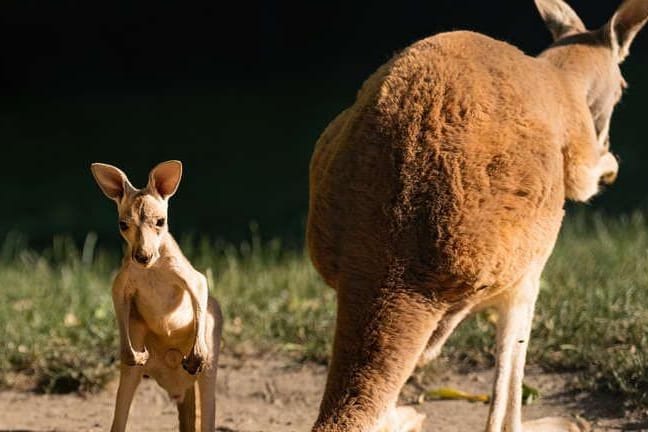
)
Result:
{"points": [[123, 225], [160, 222]]}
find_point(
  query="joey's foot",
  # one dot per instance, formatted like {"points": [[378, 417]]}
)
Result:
{"points": [[135, 358], [194, 363], [556, 424]]}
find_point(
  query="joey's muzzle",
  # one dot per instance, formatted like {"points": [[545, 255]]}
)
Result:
{"points": [[142, 258]]}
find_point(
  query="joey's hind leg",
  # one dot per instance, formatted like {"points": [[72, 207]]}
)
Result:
{"points": [[187, 411], [207, 378], [129, 379], [379, 335]]}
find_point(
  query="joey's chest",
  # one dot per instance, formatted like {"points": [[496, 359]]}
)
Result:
{"points": [[162, 300], [157, 290]]}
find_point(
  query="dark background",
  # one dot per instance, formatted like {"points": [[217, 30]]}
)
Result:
{"points": [[238, 91]]}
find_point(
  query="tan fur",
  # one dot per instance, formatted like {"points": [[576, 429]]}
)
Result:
{"points": [[440, 192], [169, 326]]}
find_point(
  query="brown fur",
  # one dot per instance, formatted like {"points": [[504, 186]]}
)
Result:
{"points": [[440, 191]]}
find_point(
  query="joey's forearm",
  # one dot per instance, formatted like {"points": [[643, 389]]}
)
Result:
{"points": [[122, 313], [199, 354], [199, 297], [128, 354]]}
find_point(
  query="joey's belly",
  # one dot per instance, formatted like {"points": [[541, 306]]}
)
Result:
{"points": [[171, 318], [171, 377]]}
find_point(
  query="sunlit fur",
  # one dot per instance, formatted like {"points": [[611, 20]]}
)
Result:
{"points": [[440, 191], [169, 326], [141, 212]]}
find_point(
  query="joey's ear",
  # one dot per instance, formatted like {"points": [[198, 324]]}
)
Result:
{"points": [[165, 178], [560, 18], [629, 18], [112, 181]]}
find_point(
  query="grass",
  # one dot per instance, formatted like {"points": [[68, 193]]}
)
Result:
{"points": [[56, 317], [57, 326], [592, 312]]}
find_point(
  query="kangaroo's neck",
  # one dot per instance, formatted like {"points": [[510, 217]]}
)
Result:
{"points": [[581, 59], [169, 246]]}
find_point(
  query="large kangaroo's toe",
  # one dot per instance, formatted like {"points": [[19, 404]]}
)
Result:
{"points": [[402, 419], [556, 424]]}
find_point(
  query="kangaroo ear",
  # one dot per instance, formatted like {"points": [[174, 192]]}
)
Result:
{"points": [[165, 178], [560, 18], [112, 181], [625, 24]]}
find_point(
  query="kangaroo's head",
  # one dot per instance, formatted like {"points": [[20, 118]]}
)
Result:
{"points": [[142, 212], [593, 57]]}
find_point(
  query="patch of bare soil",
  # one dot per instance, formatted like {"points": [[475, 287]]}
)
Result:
{"points": [[279, 394]]}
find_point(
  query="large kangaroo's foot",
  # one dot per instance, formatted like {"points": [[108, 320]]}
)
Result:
{"points": [[378, 338], [555, 424], [401, 419]]}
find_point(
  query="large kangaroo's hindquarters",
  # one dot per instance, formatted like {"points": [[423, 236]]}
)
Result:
{"points": [[440, 191]]}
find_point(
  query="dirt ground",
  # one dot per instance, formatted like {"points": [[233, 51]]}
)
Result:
{"points": [[279, 394]]}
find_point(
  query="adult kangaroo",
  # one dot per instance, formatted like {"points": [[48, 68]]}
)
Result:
{"points": [[440, 191]]}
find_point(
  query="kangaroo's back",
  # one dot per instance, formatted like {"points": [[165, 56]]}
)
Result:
{"points": [[447, 162], [440, 191]]}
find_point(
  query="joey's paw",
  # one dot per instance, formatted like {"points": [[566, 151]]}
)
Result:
{"points": [[194, 363], [135, 358], [609, 169]]}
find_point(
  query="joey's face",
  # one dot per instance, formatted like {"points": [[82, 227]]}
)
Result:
{"points": [[142, 212], [143, 223]]}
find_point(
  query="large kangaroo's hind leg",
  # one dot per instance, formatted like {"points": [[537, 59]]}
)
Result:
{"points": [[379, 335], [448, 323], [516, 308]]}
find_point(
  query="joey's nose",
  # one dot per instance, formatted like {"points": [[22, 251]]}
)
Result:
{"points": [[141, 258]]}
